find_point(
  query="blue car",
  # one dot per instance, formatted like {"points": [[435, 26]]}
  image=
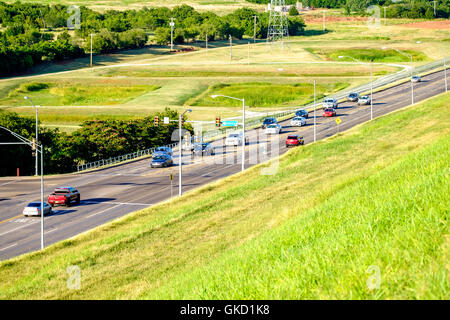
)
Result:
{"points": [[302, 113], [161, 160]]}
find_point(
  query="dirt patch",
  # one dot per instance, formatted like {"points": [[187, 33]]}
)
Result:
{"points": [[443, 24]]}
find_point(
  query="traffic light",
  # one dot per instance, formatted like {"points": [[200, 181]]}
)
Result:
{"points": [[156, 121], [33, 147], [217, 121]]}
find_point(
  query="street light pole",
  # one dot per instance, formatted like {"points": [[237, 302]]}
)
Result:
{"points": [[172, 24], [314, 110], [243, 125], [445, 71], [37, 137], [180, 160]]}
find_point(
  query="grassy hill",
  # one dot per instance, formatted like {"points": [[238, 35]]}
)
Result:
{"points": [[373, 199]]}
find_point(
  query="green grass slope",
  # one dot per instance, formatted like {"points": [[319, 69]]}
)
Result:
{"points": [[372, 198]]}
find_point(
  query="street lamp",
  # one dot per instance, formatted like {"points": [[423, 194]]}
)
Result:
{"points": [[180, 161], [40, 149], [243, 125], [37, 141], [371, 82], [411, 69]]}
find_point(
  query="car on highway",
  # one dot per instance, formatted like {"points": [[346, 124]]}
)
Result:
{"points": [[34, 209], [203, 149], [294, 140], [64, 196], [166, 150], [273, 129], [364, 100], [298, 122], [235, 139], [353, 96], [161, 160], [416, 79], [330, 103], [329, 112], [302, 113], [268, 121]]}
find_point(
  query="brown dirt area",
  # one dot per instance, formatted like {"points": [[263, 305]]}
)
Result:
{"points": [[442, 24]]}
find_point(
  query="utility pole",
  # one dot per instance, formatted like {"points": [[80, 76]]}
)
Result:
{"points": [[384, 15], [92, 36], [371, 89], [248, 53], [434, 2], [172, 24], [206, 44], [180, 161], [37, 133]]}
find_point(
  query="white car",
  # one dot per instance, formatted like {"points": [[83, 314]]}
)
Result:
{"points": [[364, 100], [298, 122], [235, 139], [34, 209], [330, 103], [273, 129], [416, 79]]}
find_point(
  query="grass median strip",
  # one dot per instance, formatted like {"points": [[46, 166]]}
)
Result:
{"points": [[373, 196]]}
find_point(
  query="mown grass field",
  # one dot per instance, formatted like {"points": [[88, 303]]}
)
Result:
{"points": [[261, 94], [372, 197]]}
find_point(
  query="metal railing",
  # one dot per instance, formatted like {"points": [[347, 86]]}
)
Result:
{"points": [[210, 135]]}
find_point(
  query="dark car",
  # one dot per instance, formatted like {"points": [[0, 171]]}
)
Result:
{"points": [[294, 140], [161, 160], [354, 96], [302, 113], [202, 149], [268, 121]]}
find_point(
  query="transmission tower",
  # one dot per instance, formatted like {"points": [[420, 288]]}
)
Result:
{"points": [[278, 24]]}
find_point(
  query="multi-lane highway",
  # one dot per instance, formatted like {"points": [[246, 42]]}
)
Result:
{"points": [[113, 192]]}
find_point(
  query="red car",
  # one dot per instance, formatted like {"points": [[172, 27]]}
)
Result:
{"points": [[64, 196], [294, 141], [329, 112]]}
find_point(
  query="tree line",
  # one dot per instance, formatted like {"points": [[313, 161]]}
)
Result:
{"points": [[95, 140], [34, 33], [412, 9]]}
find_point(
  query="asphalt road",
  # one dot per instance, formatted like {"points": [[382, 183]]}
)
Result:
{"points": [[113, 192]]}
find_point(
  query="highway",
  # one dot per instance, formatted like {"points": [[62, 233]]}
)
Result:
{"points": [[113, 192]]}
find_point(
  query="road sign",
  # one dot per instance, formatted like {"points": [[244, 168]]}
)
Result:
{"points": [[166, 120], [171, 176], [229, 123], [338, 121]]}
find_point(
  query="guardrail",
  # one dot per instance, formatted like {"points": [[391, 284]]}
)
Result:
{"points": [[253, 121]]}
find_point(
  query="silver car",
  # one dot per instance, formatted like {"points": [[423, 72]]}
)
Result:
{"points": [[34, 209], [330, 103], [298, 122], [364, 100], [416, 79], [353, 96]]}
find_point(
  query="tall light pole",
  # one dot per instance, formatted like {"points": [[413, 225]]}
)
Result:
{"points": [[40, 149], [371, 81], [243, 125], [445, 70], [411, 69], [92, 37], [324, 21], [231, 48], [254, 29], [172, 25], [314, 110], [37, 137], [180, 160]]}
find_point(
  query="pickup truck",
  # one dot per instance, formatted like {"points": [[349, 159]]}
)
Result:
{"points": [[64, 196]]}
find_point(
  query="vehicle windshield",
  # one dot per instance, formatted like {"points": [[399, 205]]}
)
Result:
{"points": [[234, 135], [292, 138], [61, 191], [272, 126], [329, 100], [162, 149], [365, 97], [328, 110], [34, 205], [161, 157], [270, 120], [298, 118], [353, 94], [200, 146]]}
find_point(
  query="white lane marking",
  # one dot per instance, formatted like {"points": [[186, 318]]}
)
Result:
{"points": [[5, 248], [119, 203], [103, 211], [23, 226], [54, 229], [4, 184]]}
